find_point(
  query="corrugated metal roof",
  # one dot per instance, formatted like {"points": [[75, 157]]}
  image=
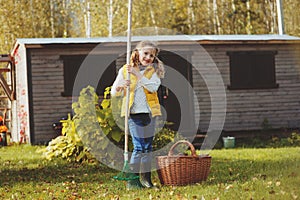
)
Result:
{"points": [[212, 38]]}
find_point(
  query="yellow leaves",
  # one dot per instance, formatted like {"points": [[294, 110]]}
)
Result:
{"points": [[107, 92], [228, 187], [294, 195], [105, 103]]}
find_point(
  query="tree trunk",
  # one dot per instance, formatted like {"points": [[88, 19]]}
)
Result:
{"points": [[273, 17], [87, 19], [208, 18], [248, 22], [216, 20], [280, 20], [152, 16], [110, 18], [191, 17], [233, 17], [52, 18]]}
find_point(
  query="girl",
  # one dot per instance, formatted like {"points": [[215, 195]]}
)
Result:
{"points": [[145, 71]]}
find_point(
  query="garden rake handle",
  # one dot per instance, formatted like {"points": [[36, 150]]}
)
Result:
{"points": [[128, 78]]}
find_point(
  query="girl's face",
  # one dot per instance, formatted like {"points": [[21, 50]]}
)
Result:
{"points": [[147, 55]]}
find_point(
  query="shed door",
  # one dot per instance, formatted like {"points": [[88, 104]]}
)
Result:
{"points": [[169, 99]]}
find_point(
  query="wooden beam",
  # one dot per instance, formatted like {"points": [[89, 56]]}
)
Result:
{"points": [[5, 58], [4, 70], [2, 108], [7, 90]]}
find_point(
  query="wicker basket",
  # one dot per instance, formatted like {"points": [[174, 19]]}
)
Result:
{"points": [[183, 170]]}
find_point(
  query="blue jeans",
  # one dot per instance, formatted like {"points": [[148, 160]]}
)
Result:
{"points": [[142, 128]]}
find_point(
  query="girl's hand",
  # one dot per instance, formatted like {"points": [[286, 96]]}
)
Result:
{"points": [[134, 71], [122, 84]]}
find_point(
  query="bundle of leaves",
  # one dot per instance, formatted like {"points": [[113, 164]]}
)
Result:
{"points": [[88, 134], [68, 145], [292, 141], [97, 127]]}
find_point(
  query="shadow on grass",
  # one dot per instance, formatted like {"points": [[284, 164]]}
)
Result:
{"points": [[223, 170], [55, 172]]}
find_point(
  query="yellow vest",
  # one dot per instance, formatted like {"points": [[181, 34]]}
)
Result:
{"points": [[151, 97]]}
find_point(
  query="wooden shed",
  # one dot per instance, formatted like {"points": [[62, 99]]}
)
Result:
{"points": [[260, 80]]}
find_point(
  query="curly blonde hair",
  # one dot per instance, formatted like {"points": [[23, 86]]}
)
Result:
{"points": [[158, 64]]}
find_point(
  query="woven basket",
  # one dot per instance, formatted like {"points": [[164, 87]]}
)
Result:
{"points": [[183, 170]]}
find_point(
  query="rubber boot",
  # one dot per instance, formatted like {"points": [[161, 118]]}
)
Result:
{"points": [[134, 183], [145, 175]]}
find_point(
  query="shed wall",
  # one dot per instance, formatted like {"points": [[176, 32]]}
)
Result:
{"points": [[246, 109], [48, 103], [47, 84]]}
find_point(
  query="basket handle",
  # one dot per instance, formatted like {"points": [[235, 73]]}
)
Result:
{"points": [[193, 151]]}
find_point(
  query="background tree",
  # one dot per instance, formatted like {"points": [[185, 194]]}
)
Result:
{"points": [[32, 19], [68, 18]]}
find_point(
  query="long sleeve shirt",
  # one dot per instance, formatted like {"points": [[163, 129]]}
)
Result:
{"points": [[140, 104]]}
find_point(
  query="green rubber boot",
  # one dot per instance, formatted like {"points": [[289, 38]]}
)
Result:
{"points": [[145, 175], [134, 183]]}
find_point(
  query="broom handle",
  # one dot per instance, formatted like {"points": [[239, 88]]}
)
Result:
{"points": [[128, 78]]}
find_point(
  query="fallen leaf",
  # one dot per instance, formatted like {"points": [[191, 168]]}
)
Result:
{"points": [[228, 187], [269, 183], [294, 196], [150, 196], [272, 192]]}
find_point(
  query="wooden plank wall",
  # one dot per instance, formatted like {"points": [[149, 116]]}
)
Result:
{"points": [[247, 109], [48, 83]]}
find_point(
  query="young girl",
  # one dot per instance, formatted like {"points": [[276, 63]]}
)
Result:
{"points": [[145, 71]]}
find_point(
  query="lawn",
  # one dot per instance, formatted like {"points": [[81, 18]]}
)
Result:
{"points": [[266, 173]]}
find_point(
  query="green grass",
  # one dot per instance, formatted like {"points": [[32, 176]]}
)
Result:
{"points": [[235, 174]]}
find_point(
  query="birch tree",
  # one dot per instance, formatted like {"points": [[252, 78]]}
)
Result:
{"points": [[248, 19], [216, 21], [208, 17], [191, 17], [110, 18]]}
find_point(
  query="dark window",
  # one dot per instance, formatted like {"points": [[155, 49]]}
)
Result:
{"points": [[71, 67], [252, 69], [72, 64]]}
